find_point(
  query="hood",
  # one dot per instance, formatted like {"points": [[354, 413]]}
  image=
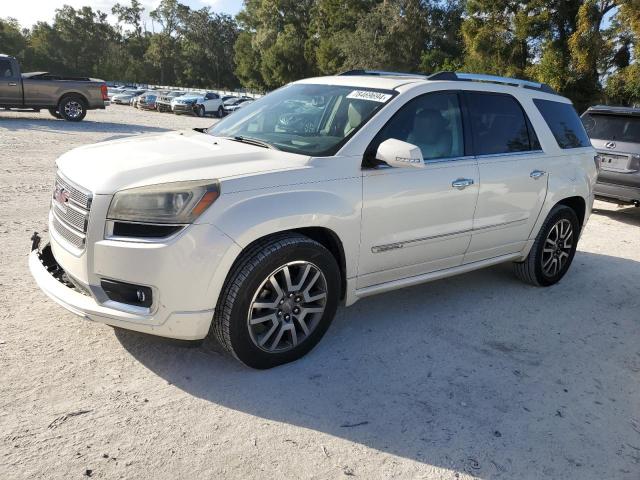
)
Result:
{"points": [[107, 167]]}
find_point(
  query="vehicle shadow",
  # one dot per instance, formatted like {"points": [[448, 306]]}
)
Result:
{"points": [[62, 126], [478, 373], [629, 215]]}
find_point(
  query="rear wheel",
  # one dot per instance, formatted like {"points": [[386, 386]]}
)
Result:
{"points": [[54, 113], [278, 301], [553, 250], [72, 108]]}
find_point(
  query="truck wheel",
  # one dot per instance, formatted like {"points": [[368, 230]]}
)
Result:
{"points": [[54, 113], [220, 112], [553, 250], [278, 301], [72, 108], [201, 111]]}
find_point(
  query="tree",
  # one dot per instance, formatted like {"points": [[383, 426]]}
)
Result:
{"points": [[207, 42], [12, 39], [163, 48], [496, 34], [390, 37], [278, 31]]}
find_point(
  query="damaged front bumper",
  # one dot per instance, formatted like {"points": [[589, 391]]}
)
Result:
{"points": [[77, 298]]}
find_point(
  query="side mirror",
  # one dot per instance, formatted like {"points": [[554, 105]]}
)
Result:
{"points": [[397, 153]]}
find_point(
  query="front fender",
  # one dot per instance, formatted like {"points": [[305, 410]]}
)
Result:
{"points": [[334, 205]]}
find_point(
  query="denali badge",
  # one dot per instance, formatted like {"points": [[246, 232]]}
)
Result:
{"points": [[610, 145]]}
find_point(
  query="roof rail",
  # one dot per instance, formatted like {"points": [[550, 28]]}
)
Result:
{"points": [[381, 73], [476, 77]]}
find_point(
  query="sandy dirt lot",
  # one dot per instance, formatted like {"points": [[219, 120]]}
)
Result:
{"points": [[477, 376]]}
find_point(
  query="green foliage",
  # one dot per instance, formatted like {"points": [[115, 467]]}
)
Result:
{"points": [[585, 49]]}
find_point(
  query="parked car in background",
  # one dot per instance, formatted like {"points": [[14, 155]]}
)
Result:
{"points": [[256, 234], [147, 100], [64, 97], [125, 97], [235, 104], [199, 104], [134, 100], [163, 102], [615, 134]]}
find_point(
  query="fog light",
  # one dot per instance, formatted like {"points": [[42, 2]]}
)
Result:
{"points": [[127, 293]]}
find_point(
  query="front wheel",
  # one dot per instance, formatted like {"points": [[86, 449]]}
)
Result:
{"points": [[201, 111], [220, 111], [278, 301], [553, 250]]}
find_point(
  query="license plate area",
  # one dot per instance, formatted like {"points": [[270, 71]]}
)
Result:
{"points": [[614, 163]]}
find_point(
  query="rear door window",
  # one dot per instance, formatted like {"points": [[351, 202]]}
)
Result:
{"points": [[564, 123], [623, 128], [499, 124]]}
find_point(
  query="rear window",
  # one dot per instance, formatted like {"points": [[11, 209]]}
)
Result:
{"points": [[564, 123], [623, 128]]}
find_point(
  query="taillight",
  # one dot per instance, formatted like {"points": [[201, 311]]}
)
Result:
{"points": [[105, 92]]}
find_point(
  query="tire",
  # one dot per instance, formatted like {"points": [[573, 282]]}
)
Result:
{"points": [[553, 249], [54, 113], [220, 112], [201, 111], [251, 282], [72, 108]]}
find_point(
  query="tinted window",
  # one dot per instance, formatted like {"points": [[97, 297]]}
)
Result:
{"points": [[432, 122], [564, 123], [499, 124], [5, 68], [623, 128]]}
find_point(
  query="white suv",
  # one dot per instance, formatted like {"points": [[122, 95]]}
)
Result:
{"points": [[327, 190], [199, 104]]}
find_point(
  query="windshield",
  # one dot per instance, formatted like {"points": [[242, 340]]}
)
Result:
{"points": [[303, 118], [623, 128]]}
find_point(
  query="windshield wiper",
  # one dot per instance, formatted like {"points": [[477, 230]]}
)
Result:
{"points": [[252, 141]]}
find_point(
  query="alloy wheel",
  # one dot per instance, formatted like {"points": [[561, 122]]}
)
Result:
{"points": [[73, 109], [287, 307], [557, 248]]}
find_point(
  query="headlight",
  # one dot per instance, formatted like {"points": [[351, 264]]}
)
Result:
{"points": [[175, 203]]}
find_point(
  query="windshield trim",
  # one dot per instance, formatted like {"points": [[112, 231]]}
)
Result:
{"points": [[338, 146]]}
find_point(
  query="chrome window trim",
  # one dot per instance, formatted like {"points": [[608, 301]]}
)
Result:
{"points": [[428, 162], [510, 154]]}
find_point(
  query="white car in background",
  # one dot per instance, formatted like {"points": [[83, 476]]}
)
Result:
{"points": [[235, 104], [327, 190], [199, 104]]}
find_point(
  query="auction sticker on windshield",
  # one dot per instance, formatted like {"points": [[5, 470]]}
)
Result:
{"points": [[369, 95]]}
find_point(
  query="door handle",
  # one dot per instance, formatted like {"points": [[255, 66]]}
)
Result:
{"points": [[536, 174], [12, 84], [462, 183]]}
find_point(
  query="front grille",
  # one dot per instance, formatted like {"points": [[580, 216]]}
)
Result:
{"points": [[78, 195], [70, 211], [74, 238]]}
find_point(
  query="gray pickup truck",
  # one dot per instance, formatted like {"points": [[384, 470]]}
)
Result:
{"points": [[65, 97]]}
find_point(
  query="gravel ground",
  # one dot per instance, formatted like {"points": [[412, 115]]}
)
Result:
{"points": [[477, 376]]}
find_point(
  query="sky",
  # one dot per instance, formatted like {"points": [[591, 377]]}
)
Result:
{"points": [[28, 12]]}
